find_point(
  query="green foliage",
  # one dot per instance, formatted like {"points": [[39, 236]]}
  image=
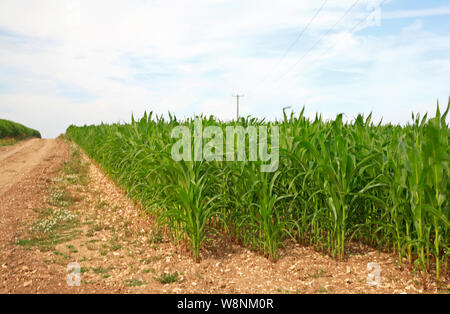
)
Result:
{"points": [[383, 185], [167, 278], [10, 129]]}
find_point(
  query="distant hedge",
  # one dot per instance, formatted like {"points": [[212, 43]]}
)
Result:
{"points": [[9, 129]]}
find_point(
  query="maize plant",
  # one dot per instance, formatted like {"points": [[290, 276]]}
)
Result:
{"points": [[383, 185]]}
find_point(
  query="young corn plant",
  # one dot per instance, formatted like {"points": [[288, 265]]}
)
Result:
{"points": [[384, 185]]}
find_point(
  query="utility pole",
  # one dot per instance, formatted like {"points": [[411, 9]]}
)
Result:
{"points": [[237, 105]]}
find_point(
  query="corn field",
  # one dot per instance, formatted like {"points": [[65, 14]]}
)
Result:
{"points": [[337, 182]]}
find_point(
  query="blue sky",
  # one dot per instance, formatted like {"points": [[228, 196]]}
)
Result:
{"points": [[68, 62]]}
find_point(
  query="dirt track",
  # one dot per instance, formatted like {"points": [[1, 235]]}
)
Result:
{"points": [[26, 170], [19, 160], [25, 167], [119, 252]]}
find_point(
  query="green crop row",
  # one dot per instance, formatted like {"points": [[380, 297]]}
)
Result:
{"points": [[337, 182]]}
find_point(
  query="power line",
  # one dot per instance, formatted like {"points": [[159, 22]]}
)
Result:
{"points": [[318, 41], [299, 36], [305, 29], [358, 24], [353, 28]]}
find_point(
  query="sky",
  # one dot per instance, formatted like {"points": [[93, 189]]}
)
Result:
{"points": [[66, 62]]}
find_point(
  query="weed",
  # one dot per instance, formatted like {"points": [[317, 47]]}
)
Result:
{"points": [[133, 283], [167, 278]]}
